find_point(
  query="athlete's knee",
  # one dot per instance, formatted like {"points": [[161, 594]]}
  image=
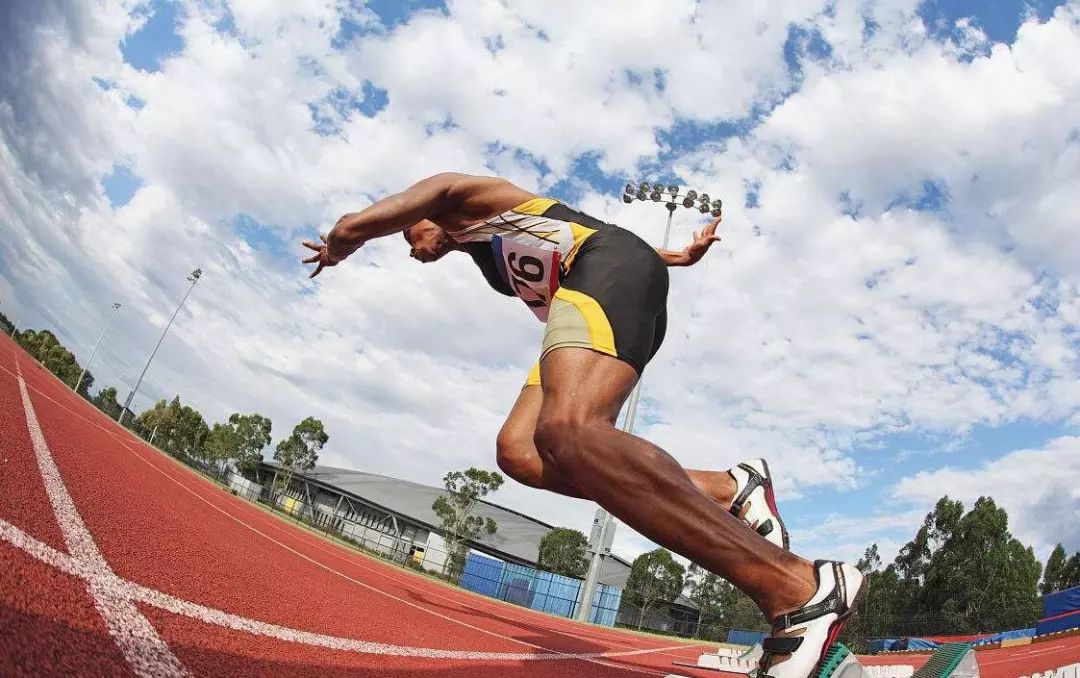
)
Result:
{"points": [[515, 454]]}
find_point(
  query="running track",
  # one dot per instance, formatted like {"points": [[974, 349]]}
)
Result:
{"points": [[116, 560]]}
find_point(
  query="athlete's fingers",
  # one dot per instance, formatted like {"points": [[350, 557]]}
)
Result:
{"points": [[317, 269], [312, 246], [312, 259]]}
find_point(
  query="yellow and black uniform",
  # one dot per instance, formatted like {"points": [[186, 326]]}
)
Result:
{"points": [[596, 285]]}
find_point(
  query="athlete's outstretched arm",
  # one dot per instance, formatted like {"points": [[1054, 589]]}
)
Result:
{"points": [[390, 215], [695, 250]]}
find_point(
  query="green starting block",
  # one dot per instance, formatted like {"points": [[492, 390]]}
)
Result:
{"points": [[951, 660], [839, 663]]}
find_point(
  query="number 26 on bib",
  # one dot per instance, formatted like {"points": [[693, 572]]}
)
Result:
{"points": [[532, 272]]}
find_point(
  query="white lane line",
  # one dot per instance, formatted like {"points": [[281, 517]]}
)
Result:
{"points": [[130, 591], [144, 650]]}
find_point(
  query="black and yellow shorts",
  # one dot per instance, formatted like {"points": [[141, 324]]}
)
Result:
{"points": [[612, 300]]}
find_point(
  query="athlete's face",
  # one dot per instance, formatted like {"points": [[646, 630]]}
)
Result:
{"points": [[429, 241]]}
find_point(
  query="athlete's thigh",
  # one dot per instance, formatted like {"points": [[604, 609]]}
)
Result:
{"points": [[582, 384]]}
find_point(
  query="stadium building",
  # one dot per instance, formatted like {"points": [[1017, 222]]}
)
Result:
{"points": [[394, 517]]}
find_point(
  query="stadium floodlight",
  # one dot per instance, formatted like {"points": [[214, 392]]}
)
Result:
{"points": [[717, 204], [627, 198], [688, 202], [644, 186], [691, 195], [192, 278], [629, 190], [704, 208], [641, 194], [658, 187], [716, 212], [673, 190], [116, 309], [705, 198], [655, 195]]}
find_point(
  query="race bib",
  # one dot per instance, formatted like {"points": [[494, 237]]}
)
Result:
{"points": [[532, 272]]}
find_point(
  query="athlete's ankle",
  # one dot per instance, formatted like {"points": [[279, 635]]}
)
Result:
{"points": [[798, 587]]}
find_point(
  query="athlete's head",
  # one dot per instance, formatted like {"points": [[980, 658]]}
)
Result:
{"points": [[429, 241]]}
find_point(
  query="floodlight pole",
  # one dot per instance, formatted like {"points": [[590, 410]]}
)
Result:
{"points": [[193, 277], [603, 531], [116, 310]]}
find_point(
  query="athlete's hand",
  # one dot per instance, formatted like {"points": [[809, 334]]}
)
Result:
{"points": [[321, 258], [703, 240]]}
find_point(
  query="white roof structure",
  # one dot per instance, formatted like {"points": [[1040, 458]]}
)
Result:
{"points": [[517, 538]]}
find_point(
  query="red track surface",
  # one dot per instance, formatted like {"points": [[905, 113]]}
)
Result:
{"points": [[199, 553]]}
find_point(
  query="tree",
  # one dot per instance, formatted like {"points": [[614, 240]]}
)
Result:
{"points": [[875, 612], [564, 551], [455, 506], [1070, 573], [984, 574], [738, 611], [707, 591], [300, 451], [47, 349], [654, 577], [963, 572], [241, 439], [180, 429], [6, 326], [106, 401], [1055, 566]]}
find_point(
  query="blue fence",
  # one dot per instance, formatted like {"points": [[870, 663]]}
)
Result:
{"points": [[536, 589]]}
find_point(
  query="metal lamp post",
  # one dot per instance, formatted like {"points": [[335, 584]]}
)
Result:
{"points": [[116, 310], [193, 278], [603, 531]]}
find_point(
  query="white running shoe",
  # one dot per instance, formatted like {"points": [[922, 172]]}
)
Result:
{"points": [[801, 638], [754, 489]]}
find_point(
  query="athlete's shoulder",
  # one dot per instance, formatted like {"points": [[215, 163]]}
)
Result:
{"points": [[472, 197]]}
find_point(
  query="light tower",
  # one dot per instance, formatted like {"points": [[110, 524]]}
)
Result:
{"points": [[193, 278], [116, 309]]}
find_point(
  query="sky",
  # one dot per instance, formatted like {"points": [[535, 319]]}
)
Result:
{"points": [[893, 316]]}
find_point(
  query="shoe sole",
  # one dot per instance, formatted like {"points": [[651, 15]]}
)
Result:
{"points": [[770, 499]]}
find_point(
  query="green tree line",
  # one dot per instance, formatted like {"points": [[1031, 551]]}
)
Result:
{"points": [[180, 429], [963, 572]]}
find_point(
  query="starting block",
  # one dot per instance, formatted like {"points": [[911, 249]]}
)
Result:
{"points": [[951, 660], [728, 660], [841, 663]]}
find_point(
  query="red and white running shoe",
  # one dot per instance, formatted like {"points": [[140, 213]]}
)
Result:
{"points": [[754, 491], [801, 638]]}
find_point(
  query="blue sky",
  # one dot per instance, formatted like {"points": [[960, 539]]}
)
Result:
{"points": [[318, 124]]}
